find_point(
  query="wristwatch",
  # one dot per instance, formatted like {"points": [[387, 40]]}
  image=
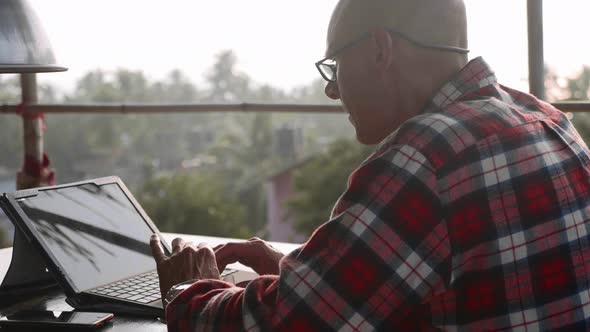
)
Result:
{"points": [[177, 289]]}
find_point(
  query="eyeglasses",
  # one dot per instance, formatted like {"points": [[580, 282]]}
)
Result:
{"points": [[328, 67]]}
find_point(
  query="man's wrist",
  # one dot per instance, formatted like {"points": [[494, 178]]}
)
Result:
{"points": [[177, 289]]}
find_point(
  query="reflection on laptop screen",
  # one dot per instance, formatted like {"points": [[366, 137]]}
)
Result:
{"points": [[94, 232]]}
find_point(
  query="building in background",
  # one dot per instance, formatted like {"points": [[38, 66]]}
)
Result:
{"points": [[279, 190], [288, 144]]}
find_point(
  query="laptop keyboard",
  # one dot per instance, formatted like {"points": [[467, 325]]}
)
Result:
{"points": [[144, 288]]}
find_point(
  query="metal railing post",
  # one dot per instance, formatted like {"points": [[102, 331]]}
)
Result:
{"points": [[536, 51], [32, 133]]}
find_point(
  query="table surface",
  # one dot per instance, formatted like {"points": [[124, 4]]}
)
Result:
{"points": [[55, 300]]}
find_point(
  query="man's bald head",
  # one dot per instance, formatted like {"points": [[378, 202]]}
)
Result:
{"points": [[438, 22], [384, 80]]}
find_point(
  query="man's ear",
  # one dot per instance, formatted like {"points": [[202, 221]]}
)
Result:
{"points": [[383, 43]]}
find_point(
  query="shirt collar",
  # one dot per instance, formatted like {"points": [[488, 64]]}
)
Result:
{"points": [[475, 75]]}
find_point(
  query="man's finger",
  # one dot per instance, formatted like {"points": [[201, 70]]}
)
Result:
{"points": [[224, 255], [220, 267], [231, 253], [206, 263], [190, 271], [157, 250], [177, 245]]}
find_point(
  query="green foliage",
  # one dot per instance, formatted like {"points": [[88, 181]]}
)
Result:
{"points": [[245, 152], [320, 182], [582, 123], [9, 90], [193, 204], [123, 85], [231, 200], [136, 147], [122, 141], [11, 142], [227, 84], [578, 89], [3, 239]]}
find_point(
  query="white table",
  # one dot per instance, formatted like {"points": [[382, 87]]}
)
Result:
{"points": [[55, 300], [6, 254]]}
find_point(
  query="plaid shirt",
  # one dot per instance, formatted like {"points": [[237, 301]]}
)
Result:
{"points": [[471, 216]]}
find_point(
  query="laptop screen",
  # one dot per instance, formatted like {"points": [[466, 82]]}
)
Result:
{"points": [[94, 232]]}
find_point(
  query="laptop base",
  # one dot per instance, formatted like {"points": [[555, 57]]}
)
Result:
{"points": [[27, 272], [86, 302]]}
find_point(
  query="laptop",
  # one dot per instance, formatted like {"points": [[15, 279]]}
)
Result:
{"points": [[94, 237]]}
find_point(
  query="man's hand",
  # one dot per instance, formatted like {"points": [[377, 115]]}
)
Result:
{"points": [[187, 262], [255, 253]]}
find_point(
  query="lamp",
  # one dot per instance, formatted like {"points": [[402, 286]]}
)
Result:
{"points": [[24, 47], [25, 50]]}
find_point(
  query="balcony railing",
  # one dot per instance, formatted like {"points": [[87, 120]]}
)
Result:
{"points": [[171, 108], [569, 107]]}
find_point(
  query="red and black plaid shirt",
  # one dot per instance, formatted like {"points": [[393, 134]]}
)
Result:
{"points": [[471, 216]]}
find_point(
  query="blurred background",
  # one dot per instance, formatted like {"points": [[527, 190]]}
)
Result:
{"points": [[272, 175]]}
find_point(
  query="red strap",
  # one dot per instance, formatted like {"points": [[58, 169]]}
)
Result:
{"points": [[21, 109], [36, 169], [33, 167]]}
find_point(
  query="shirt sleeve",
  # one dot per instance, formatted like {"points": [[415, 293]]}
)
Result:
{"points": [[382, 255]]}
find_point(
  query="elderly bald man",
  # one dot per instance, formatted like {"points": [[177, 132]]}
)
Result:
{"points": [[471, 214]]}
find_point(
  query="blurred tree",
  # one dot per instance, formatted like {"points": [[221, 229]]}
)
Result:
{"points": [[132, 86], [10, 91], [129, 140], [320, 128], [176, 88], [312, 93], [3, 240], [93, 87], [579, 87], [114, 144], [193, 204], [582, 123], [574, 89], [11, 142], [245, 151], [99, 132], [320, 182], [226, 83]]}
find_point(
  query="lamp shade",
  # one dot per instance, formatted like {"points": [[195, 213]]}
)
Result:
{"points": [[24, 47]]}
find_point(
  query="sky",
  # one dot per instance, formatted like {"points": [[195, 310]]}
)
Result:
{"points": [[277, 41]]}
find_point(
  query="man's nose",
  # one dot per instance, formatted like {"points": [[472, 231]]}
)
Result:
{"points": [[331, 91]]}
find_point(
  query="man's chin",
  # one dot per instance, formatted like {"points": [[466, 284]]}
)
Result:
{"points": [[370, 137], [362, 136], [364, 139]]}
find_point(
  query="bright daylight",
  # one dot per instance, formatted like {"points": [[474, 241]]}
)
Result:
{"points": [[430, 152]]}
